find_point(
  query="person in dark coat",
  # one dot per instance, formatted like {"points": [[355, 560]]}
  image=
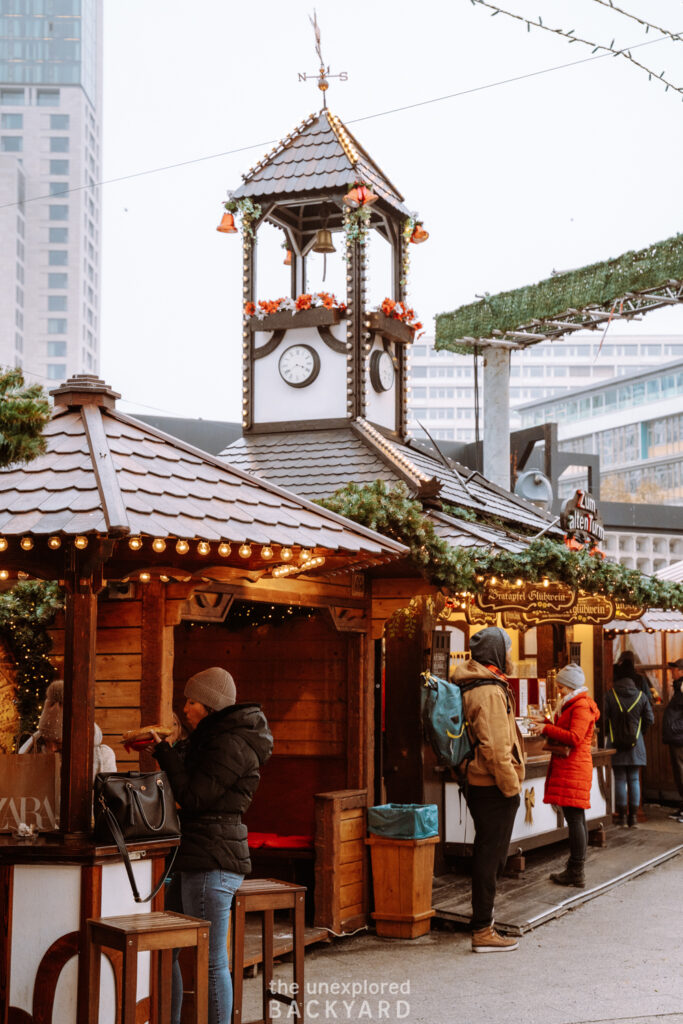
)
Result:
{"points": [[214, 780], [626, 764], [570, 773], [627, 662], [672, 733]]}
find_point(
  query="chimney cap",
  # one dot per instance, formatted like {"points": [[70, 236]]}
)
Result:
{"points": [[85, 389]]}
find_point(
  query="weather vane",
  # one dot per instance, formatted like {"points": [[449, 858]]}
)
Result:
{"points": [[323, 74]]}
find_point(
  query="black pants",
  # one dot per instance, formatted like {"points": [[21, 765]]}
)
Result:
{"points": [[676, 754], [494, 816], [578, 833]]}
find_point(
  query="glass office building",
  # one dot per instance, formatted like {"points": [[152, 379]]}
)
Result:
{"points": [[50, 139]]}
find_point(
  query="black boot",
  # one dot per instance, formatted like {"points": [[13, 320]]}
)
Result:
{"points": [[573, 875], [621, 817], [633, 819]]}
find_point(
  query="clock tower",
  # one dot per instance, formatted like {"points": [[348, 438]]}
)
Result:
{"points": [[313, 360]]}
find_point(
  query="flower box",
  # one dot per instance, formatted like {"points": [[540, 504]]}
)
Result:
{"points": [[389, 327], [317, 316]]}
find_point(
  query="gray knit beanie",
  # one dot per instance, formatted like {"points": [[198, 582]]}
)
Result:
{"points": [[572, 677], [214, 688]]}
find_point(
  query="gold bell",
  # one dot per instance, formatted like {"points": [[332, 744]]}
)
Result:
{"points": [[323, 241]]}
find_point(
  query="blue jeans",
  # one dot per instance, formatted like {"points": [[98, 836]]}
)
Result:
{"points": [[626, 786], [207, 895]]}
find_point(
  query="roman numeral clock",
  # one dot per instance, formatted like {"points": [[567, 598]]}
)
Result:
{"points": [[311, 360]]}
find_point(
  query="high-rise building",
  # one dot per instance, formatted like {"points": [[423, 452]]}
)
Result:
{"points": [[50, 139], [442, 395]]}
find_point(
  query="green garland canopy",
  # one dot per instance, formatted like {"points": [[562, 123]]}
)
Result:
{"points": [[393, 512], [598, 284], [26, 613]]}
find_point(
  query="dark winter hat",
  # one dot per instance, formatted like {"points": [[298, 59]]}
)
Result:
{"points": [[626, 657], [572, 677], [214, 688], [50, 723], [678, 663], [490, 646]]}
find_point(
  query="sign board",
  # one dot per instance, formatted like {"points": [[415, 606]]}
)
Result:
{"points": [[628, 612], [589, 610], [580, 519], [532, 597], [29, 791]]}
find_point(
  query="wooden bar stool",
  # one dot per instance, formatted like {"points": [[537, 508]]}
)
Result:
{"points": [[266, 895], [157, 932]]}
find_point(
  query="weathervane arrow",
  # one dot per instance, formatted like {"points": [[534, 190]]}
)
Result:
{"points": [[323, 73]]}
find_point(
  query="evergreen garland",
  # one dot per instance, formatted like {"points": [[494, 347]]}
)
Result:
{"points": [[598, 284], [24, 414], [26, 612], [393, 512]]}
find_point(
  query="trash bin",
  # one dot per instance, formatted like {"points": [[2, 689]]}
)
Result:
{"points": [[402, 839]]}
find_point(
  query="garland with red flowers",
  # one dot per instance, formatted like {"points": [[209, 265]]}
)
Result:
{"points": [[266, 307], [399, 311]]}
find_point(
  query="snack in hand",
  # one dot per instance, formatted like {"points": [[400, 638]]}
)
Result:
{"points": [[138, 739]]}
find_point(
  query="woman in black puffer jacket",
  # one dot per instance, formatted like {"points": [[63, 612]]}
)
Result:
{"points": [[214, 781]]}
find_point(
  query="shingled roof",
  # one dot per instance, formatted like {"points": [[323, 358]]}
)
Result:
{"points": [[320, 154], [316, 463], [106, 473]]}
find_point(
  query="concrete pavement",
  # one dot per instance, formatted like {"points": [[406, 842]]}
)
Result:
{"points": [[614, 960]]}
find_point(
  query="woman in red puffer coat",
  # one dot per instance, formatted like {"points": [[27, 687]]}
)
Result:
{"points": [[568, 784]]}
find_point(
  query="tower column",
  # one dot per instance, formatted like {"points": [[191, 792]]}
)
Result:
{"points": [[497, 416]]}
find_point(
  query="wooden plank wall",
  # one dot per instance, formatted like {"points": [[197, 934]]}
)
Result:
{"points": [[118, 672]]}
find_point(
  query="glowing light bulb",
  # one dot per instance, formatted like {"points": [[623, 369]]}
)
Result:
{"points": [[135, 543], [266, 552], [305, 555], [159, 544], [203, 547], [54, 543], [144, 577], [518, 582], [165, 579], [494, 580], [26, 543], [81, 543], [546, 582], [3, 544], [224, 549], [285, 554], [245, 550], [4, 575], [182, 547]]}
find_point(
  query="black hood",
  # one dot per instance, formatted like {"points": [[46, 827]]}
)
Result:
{"points": [[489, 647], [244, 720]]}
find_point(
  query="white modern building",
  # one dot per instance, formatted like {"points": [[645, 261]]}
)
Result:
{"points": [[442, 395], [50, 153]]}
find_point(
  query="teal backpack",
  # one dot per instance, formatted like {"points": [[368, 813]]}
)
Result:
{"points": [[443, 721]]}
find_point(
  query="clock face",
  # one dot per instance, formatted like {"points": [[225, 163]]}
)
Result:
{"points": [[299, 365], [381, 371]]}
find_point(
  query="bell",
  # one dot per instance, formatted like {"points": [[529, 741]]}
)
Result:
{"points": [[227, 225], [351, 199], [366, 196], [288, 258], [419, 235], [323, 241]]}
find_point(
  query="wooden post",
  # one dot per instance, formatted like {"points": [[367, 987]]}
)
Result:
{"points": [[79, 705], [156, 687]]}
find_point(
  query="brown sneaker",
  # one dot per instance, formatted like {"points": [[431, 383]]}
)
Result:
{"points": [[487, 940]]}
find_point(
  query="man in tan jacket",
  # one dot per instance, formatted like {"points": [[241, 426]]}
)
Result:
{"points": [[494, 775]]}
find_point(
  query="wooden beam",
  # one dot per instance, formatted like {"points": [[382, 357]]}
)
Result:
{"points": [[79, 706]]}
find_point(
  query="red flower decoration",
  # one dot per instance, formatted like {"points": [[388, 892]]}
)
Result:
{"points": [[304, 301], [388, 307], [250, 308]]}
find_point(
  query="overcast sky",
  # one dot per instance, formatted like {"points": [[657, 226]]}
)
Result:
{"points": [[554, 171]]}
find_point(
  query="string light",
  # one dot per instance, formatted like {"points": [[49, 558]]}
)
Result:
{"points": [[203, 548], [546, 582], [266, 552], [135, 543], [144, 577], [159, 544], [285, 554], [81, 543], [182, 547], [165, 579], [224, 549], [26, 543], [4, 575], [3, 544], [245, 551], [54, 543], [305, 555]]}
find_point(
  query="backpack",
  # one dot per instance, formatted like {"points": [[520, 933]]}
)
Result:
{"points": [[624, 729], [443, 721]]}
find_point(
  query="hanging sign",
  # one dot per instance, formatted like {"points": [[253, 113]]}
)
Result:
{"points": [[628, 612], [589, 610], [580, 519], [476, 617], [542, 597]]}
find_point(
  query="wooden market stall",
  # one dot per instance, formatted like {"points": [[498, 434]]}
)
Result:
{"points": [[143, 532]]}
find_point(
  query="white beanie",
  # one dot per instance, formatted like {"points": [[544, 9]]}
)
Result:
{"points": [[572, 677]]}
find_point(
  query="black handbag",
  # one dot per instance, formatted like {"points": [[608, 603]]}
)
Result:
{"points": [[135, 807]]}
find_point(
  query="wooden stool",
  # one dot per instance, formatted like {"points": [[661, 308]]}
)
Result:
{"points": [[158, 932], [267, 895]]}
